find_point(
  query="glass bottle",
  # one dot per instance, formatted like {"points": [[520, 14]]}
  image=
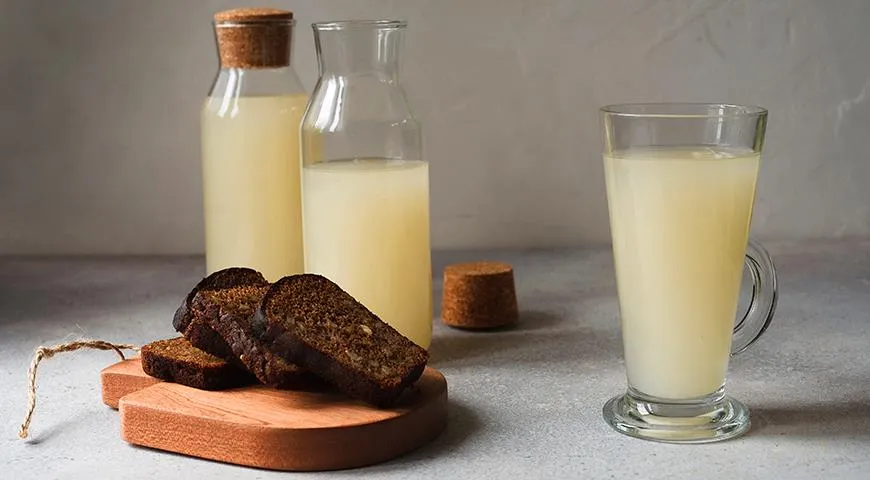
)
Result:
{"points": [[250, 146], [365, 183]]}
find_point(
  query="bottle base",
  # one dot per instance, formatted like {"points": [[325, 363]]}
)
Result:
{"points": [[714, 418]]}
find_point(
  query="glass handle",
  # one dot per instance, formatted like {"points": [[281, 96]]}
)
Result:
{"points": [[764, 295]]}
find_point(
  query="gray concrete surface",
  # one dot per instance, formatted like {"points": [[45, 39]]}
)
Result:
{"points": [[525, 403]]}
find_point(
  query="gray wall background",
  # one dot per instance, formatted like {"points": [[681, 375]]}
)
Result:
{"points": [[99, 122]]}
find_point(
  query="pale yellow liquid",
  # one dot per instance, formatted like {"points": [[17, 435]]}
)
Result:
{"points": [[680, 221], [367, 229], [252, 200]]}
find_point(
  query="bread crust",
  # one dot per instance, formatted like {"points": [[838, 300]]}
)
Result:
{"points": [[196, 330]]}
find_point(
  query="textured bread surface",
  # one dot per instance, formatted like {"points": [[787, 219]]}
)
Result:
{"points": [[310, 321], [176, 360], [229, 312]]}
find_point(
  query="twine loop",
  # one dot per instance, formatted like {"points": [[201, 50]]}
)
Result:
{"points": [[44, 352]]}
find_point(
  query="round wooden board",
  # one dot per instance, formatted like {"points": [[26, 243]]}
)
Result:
{"points": [[275, 429]]}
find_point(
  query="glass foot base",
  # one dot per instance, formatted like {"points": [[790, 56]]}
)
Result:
{"points": [[711, 419]]}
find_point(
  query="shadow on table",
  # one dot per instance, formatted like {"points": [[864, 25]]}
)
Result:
{"points": [[538, 320], [462, 425], [847, 419], [534, 339], [44, 433]]}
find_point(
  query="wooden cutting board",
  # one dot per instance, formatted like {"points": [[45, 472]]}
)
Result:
{"points": [[275, 429]]}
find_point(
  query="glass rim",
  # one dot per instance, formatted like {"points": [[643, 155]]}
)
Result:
{"points": [[683, 110], [348, 24]]}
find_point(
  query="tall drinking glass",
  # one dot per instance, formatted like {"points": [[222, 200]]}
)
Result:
{"points": [[680, 189]]}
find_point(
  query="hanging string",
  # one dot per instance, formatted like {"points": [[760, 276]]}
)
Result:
{"points": [[47, 352]]}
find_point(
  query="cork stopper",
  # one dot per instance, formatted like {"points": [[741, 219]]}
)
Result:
{"points": [[254, 37], [479, 295]]}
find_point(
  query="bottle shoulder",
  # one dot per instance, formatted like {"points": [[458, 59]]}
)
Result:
{"points": [[242, 82], [359, 98]]}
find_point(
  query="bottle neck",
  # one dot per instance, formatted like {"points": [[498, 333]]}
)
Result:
{"points": [[365, 49]]}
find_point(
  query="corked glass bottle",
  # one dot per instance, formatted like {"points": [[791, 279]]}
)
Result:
{"points": [[250, 146]]}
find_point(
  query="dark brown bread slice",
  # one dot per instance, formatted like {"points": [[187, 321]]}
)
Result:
{"points": [[196, 330], [310, 321], [176, 360], [229, 312]]}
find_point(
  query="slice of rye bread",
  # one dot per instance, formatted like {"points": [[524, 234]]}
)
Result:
{"points": [[309, 320], [176, 360], [229, 312], [196, 330]]}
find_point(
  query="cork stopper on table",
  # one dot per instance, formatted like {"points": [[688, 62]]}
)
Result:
{"points": [[479, 295], [254, 37]]}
